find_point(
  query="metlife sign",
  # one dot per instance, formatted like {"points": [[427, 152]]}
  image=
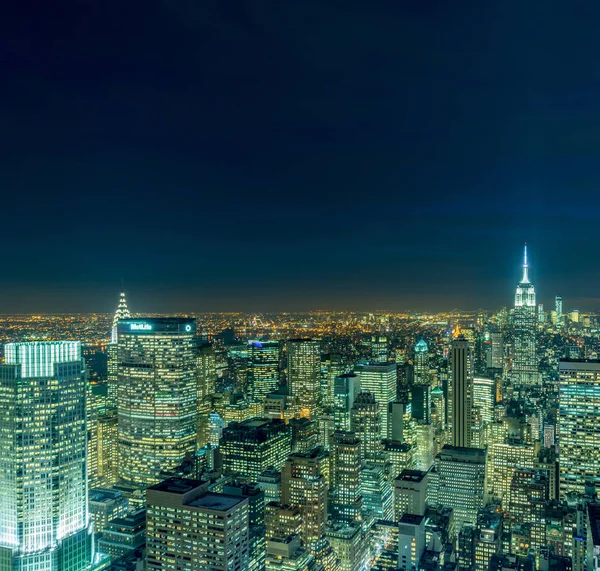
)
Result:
{"points": [[157, 326], [140, 326]]}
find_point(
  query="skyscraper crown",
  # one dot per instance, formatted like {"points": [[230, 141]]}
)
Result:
{"points": [[121, 313]]}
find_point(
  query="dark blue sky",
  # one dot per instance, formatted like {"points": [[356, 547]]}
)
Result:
{"points": [[267, 155]]}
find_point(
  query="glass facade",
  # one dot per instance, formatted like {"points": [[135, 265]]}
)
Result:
{"points": [[156, 397], [44, 522]]}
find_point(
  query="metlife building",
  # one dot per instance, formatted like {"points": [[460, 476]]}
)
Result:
{"points": [[156, 396]]}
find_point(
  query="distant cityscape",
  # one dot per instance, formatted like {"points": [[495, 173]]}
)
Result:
{"points": [[319, 441]]}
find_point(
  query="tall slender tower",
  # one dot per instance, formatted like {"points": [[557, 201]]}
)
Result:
{"points": [[43, 455], [461, 386], [525, 363], [104, 454], [122, 312], [559, 311]]}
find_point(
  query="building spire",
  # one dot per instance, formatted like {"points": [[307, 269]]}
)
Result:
{"points": [[121, 313], [525, 279]]}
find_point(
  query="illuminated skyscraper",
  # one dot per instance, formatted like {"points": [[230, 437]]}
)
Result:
{"points": [[380, 380], [422, 363], [346, 387], [346, 496], [525, 364], [44, 523], [495, 356], [460, 482], [156, 396], [192, 529], [303, 484], [249, 448], [304, 374], [122, 312], [107, 449], [484, 397], [366, 424], [558, 308], [379, 348], [579, 424], [263, 368], [461, 388], [206, 371]]}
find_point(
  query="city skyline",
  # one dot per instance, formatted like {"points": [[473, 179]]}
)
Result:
{"points": [[149, 305]]}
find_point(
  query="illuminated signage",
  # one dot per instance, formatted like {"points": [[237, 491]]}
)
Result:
{"points": [[188, 327], [140, 327]]}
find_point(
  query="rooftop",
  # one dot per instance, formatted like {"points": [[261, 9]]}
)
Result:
{"points": [[412, 519], [104, 495], [215, 501], [177, 485], [411, 475]]}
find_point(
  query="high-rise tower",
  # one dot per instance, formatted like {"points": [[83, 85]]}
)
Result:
{"points": [[156, 396], [263, 368], [304, 374], [43, 485], [122, 312], [559, 311], [525, 363], [461, 388]]}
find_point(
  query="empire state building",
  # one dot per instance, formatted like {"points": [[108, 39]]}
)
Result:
{"points": [[525, 363]]}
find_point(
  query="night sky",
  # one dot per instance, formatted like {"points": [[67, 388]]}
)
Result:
{"points": [[298, 154]]}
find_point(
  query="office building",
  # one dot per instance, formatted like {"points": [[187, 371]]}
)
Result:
{"points": [[304, 375], [484, 397], [380, 380], [488, 538], [43, 455], [410, 493], [541, 314], [461, 482], [379, 348], [378, 499], [346, 496], [558, 309], [249, 448], [346, 387], [400, 455], [502, 460], [106, 504], [206, 376], [156, 396], [525, 364], [263, 368], [124, 535], [411, 541], [305, 434], [191, 529], [461, 389], [578, 424], [304, 484], [287, 554], [282, 521], [366, 424], [495, 355], [421, 364], [350, 544]]}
